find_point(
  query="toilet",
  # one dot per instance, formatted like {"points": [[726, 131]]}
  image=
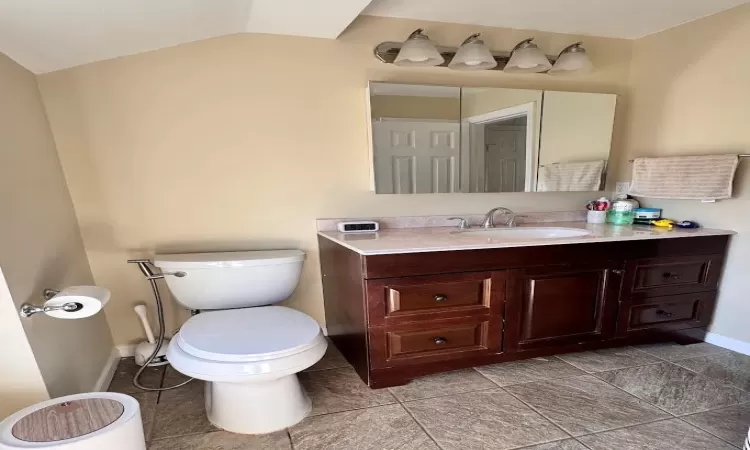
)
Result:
{"points": [[247, 349]]}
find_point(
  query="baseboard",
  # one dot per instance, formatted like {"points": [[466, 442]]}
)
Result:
{"points": [[126, 351], [108, 371], [728, 343]]}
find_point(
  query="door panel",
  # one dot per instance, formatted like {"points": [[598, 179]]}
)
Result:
{"points": [[416, 157], [560, 305], [505, 158]]}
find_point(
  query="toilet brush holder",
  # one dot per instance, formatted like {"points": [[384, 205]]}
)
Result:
{"points": [[144, 350]]}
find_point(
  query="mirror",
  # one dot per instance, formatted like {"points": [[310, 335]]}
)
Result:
{"points": [[442, 139]]}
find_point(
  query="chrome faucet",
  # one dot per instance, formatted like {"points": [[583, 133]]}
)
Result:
{"points": [[489, 219]]}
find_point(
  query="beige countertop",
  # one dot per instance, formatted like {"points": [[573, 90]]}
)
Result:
{"points": [[417, 240]]}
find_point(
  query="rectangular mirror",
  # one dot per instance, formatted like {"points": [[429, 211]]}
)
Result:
{"points": [[442, 139]]}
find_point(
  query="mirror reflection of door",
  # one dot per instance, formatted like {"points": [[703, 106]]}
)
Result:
{"points": [[505, 155], [415, 138], [416, 156]]}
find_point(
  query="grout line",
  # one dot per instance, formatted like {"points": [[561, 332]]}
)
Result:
{"points": [[608, 429], [708, 432], [538, 412], [309, 416], [289, 435], [419, 424], [636, 397], [442, 395], [663, 419]]}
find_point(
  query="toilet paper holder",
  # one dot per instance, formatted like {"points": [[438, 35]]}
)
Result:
{"points": [[28, 310]]}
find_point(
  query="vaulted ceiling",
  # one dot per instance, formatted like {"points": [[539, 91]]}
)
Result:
{"points": [[48, 35]]}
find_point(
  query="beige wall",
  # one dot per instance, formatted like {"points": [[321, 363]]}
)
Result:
{"points": [[241, 142], [577, 127], [691, 95], [21, 382], [402, 106], [476, 101], [40, 242]]}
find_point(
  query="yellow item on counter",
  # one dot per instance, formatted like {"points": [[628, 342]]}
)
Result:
{"points": [[666, 223]]}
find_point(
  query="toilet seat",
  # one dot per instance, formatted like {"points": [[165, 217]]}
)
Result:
{"points": [[243, 345], [249, 334]]}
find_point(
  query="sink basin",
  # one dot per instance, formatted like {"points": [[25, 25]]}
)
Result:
{"points": [[527, 233]]}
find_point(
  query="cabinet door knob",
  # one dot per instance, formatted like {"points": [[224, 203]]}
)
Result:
{"points": [[618, 271], [439, 340], [441, 298], [661, 312], [671, 276]]}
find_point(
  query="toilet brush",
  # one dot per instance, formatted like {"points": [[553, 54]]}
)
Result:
{"points": [[145, 349]]}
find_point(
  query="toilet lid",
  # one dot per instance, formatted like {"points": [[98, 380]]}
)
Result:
{"points": [[248, 334]]}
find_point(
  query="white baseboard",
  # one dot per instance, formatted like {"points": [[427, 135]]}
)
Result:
{"points": [[108, 371], [728, 343], [126, 351]]}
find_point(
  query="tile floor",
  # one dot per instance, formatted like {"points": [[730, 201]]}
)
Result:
{"points": [[656, 397]]}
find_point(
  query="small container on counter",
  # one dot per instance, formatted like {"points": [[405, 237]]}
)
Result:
{"points": [[621, 213], [647, 213], [596, 216]]}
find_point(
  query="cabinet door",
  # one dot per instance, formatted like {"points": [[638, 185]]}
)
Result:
{"points": [[561, 305]]}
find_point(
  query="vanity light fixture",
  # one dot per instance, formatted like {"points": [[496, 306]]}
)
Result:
{"points": [[527, 57], [473, 55], [572, 60], [418, 51]]}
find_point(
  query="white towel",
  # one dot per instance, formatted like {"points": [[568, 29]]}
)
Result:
{"points": [[575, 176], [684, 177]]}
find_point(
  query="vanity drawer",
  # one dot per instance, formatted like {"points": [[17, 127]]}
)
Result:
{"points": [[665, 276], [439, 341], [415, 299], [672, 312]]}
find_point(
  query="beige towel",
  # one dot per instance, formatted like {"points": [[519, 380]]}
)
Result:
{"points": [[576, 176], [684, 177]]}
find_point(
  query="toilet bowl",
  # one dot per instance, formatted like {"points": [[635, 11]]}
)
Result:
{"points": [[249, 359], [247, 350]]}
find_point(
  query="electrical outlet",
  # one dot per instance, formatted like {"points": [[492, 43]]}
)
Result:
{"points": [[621, 189]]}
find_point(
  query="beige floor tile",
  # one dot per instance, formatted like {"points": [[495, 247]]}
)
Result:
{"points": [[338, 390], [442, 384], [528, 370], [222, 440], [379, 428], [584, 405], [672, 434], [490, 419], [181, 411]]}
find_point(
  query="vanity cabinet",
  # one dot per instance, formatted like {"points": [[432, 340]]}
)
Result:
{"points": [[561, 304], [399, 316]]}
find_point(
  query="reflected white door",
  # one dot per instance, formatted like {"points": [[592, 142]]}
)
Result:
{"points": [[416, 157], [504, 158]]}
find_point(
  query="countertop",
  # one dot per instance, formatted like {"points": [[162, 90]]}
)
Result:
{"points": [[418, 240]]}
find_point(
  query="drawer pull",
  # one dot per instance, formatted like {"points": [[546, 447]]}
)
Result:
{"points": [[441, 298], [439, 340], [661, 312], [671, 276]]}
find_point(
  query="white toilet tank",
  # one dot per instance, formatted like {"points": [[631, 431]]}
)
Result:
{"points": [[229, 280]]}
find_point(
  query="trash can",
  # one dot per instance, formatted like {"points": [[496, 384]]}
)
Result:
{"points": [[91, 421]]}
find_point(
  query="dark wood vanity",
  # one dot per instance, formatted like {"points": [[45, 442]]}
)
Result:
{"points": [[400, 316]]}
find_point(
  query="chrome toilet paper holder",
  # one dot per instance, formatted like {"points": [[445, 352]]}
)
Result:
{"points": [[28, 310]]}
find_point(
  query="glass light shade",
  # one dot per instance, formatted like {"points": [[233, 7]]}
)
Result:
{"points": [[527, 58], [473, 55], [572, 60], [418, 51]]}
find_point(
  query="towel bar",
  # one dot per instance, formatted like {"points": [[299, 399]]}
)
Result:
{"points": [[739, 156]]}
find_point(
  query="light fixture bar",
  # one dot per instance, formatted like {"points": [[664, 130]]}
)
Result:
{"points": [[386, 52]]}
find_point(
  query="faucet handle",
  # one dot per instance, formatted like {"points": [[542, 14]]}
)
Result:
{"points": [[462, 224]]}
